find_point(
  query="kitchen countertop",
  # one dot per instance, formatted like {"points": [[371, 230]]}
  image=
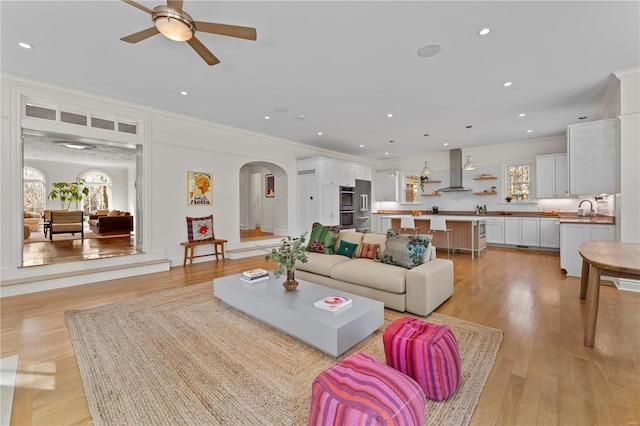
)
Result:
{"points": [[564, 217]]}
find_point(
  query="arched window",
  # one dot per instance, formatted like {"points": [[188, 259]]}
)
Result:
{"points": [[99, 185], [33, 190]]}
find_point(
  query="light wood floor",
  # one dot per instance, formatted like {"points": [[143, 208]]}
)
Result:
{"points": [[543, 374]]}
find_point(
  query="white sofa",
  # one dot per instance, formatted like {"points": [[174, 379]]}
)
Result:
{"points": [[419, 290]]}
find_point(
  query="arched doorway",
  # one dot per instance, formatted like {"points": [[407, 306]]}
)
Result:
{"points": [[263, 201]]}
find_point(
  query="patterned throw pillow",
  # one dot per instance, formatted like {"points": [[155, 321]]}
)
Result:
{"points": [[369, 251], [346, 248], [200, 228], [406, 250], [322, 238]]}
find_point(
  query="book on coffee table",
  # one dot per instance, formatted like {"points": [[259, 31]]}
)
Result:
{"points": [[333, 303], [255, 274]]}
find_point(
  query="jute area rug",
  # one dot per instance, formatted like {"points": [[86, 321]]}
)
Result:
{"points": [[184, 357]]}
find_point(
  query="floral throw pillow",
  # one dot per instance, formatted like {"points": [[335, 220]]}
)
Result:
{"points": [[200, 228], [322, 238], [406, 250]]}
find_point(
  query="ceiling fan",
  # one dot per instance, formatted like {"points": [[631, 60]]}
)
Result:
{"points": [[175, 24]]}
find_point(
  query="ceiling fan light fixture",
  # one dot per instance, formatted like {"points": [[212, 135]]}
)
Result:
{"points": [[173, 25]]}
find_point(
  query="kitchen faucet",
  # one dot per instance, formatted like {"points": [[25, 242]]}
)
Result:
{"points": [[590, 206]]}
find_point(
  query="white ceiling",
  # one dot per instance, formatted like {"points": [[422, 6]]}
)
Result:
{"points": [[345, 66]]}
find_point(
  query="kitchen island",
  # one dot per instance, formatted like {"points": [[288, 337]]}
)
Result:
{"points": [[467, 232]]}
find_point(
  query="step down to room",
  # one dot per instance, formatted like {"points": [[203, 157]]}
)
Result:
{"points": [[250, 249]]}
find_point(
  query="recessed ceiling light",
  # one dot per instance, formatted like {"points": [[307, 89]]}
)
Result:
{"points": [[389, 115], [266, 117], [386, 153], [361, 146], [507, 84], [445, 144], [484, 31], [183, 93], [300, 117], [25, 45], [429, 50], [281, 110], [522, 114], [319, 133], [529, 131]]}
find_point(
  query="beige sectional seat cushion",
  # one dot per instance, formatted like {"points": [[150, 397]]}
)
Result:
{"points": [[372, 274], [321, 264]]}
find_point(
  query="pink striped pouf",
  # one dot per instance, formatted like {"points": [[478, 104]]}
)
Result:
{"points": [[428, 353], [360, 390]]}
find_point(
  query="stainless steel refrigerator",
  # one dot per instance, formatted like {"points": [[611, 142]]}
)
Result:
{"points": [[363, 206]]}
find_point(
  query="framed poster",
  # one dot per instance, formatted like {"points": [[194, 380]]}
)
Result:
{"points": [[270, 186], [199, 188]]}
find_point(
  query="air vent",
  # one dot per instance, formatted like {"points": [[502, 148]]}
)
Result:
{"points": [[73, 118], [101, 123], [40, 112], [306, 172]]}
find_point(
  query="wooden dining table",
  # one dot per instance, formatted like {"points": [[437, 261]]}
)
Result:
{"points": [[609, 258]]}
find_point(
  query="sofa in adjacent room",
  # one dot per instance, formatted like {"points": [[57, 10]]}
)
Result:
{"points": [[418, 287], [113, 223], [32, 219]]}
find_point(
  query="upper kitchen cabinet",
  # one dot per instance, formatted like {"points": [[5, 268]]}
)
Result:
{"points": [[386, 187], [552, 176], [593, 154]]}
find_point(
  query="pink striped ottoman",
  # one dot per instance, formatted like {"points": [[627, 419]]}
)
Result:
{"points": [[428, 353], [360, 390]]}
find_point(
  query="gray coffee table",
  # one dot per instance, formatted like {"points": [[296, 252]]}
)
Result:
{"points": [[293, 313]]}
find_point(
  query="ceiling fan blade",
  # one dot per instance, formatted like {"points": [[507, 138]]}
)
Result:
{"points": [[200, 48], [141, 35], [139, 6], [175, 5], [248, 33]]}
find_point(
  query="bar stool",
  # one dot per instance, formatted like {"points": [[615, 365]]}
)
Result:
{"points": [[439, 224], [408, 224]]}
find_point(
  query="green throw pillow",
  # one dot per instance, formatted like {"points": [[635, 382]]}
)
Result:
{"points": [[322, 238], [406, 250], [346, 248]]}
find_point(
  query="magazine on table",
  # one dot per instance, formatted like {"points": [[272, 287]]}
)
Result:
{"points": [[255, 273], [333, 303], [255, 279]]}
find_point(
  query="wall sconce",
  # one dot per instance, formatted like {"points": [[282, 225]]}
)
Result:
{"points": [[469, 164], [426, 170], [392, 172]]}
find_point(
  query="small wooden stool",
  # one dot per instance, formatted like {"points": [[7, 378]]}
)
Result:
{"points": [[189, 249]]}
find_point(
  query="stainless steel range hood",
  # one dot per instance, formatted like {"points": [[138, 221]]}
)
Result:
{"points": [[455, 172]]}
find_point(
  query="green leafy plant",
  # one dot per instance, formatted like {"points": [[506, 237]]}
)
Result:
{"points": [[68, 192], [423, 179], [291, 250], [508, 199]]}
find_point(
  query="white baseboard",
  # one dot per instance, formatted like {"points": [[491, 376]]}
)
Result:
{"points": [[627, 284]]}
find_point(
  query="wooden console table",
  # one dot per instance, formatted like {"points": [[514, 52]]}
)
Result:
{"points": [[189, 248], [614, 259]]}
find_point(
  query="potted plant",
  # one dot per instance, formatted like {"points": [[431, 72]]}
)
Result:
{"points": [[508, 199], [68, 192], [423, 179], [291, 250]]}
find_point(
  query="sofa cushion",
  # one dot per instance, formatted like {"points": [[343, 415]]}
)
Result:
{"points": [[350, 237], [346, 249], [406, 250], [368, 273], [380, 239], [322, 238], [321, 264], [369, 251]]}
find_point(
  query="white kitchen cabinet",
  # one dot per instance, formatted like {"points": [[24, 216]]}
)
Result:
{"points": [[347, 174], [330, 172], [330, 205], [593, 157], [308, 202], [495, 230], [552, 176], [386, 187], [521, 231], [550, 233], [574, 234]]}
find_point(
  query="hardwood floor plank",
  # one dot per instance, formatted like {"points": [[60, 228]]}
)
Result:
{"points": [[543, 373]]}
